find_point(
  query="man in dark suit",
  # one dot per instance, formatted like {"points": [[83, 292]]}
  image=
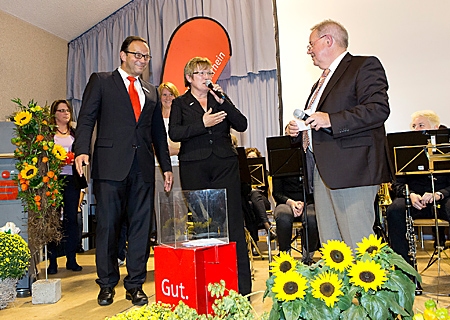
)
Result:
{"points": [[351, 163], [123, 165]]}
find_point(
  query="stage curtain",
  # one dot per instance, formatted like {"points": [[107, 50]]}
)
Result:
{"points": [[249, 78]]}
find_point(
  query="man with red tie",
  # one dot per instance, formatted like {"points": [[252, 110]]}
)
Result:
{"points": [[130, 131]]}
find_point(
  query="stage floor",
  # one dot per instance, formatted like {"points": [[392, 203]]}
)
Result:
{"points": [[79, 290]]}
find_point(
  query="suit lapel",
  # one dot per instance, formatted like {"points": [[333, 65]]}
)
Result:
{"points": [[343, 65], [194, 104]]}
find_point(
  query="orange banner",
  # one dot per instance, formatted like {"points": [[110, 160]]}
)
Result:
{"points": [[196, 37]]}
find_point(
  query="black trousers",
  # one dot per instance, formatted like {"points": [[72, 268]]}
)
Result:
{"points": [[134, 198], [218, 173], [70, 228], [396, 218], [284, 219]]}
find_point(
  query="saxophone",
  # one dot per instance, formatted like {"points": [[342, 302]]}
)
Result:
{"points": [[384, 200], [411, 237]]}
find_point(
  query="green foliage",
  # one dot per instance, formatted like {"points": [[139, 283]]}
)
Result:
{"points": [[232, 306]]}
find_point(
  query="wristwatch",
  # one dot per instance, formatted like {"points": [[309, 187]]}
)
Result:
{"points": [[441, 196]]}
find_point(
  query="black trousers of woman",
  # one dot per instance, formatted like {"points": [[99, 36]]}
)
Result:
{"points": [[71, 196], [218, 173]]}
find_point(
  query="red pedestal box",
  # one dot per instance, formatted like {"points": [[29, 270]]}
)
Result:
{"points": [[184, 274]]}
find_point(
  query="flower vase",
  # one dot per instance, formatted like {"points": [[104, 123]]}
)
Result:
{"points": [[7, 291]]}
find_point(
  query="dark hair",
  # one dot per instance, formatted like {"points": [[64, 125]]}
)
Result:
{"points": [[126, 43]]}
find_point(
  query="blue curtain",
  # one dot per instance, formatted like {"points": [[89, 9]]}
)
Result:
{"points": [[250, 76]]}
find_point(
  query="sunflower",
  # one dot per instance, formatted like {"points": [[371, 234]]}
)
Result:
{"points": [[367, 274], [337, 254], [289, 286], [283, 263], [327, 286], [29, 172], [59, 152], [371, 245], [22, 118]]}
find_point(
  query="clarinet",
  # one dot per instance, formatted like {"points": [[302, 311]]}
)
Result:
{"points": [[411, 237]]}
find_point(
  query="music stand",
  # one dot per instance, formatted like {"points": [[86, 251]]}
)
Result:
{"points": [[288, 159], [429, 159]]}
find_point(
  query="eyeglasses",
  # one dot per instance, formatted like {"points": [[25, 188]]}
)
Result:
{"points": [[204, 73], [139, 55], [63, 110], [311, 44]]}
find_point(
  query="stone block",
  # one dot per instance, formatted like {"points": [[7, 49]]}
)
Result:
{"points": [[46, 291]]}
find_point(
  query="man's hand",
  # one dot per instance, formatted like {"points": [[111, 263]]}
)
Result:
{"points": [[296, 206], [211, 119], [168, 181], [417, 202], [292, 129], [318, 120], [79, 161]]}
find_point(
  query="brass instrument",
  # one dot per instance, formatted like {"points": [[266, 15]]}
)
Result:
{"points": [[411, 237], [384, 200]]}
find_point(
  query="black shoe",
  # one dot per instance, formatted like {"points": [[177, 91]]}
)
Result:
{"points": [[153, 242], [441, 243], [52, 269], [74, 267], [255, 252], [137, 296], [419, 290], [106, 296]]}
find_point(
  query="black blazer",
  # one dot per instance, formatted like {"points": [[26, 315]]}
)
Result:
{"points": [[197, 142], [357, 102], [107, 103]]}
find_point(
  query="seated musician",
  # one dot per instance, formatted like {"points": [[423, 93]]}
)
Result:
{"points": [[421, 195], [288, 195]]}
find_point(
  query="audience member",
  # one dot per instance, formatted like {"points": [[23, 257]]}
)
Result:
{"points": [[62, 116]]}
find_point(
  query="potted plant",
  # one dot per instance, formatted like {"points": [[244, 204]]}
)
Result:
{"points": [[370, 283], [14, 261]]}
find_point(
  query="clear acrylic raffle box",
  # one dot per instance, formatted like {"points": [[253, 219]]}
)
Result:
{"points": [[189, 219]]}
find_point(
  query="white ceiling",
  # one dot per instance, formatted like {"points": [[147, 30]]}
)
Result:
{"points": [[66, 19]]}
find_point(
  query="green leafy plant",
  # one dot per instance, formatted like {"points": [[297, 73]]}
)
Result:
{"points": [[226, 306], [14, 256], [39, 162], [373, 284]]}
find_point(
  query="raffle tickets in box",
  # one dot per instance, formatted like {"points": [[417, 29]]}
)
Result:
{"points": [[184, 274], [192, 218]]}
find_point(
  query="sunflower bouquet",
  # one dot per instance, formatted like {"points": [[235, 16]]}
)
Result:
{"points": [[370, 283], [39, 162]]}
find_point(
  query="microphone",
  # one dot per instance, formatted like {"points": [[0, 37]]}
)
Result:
{"points": [[299, 114], [210, 85]]}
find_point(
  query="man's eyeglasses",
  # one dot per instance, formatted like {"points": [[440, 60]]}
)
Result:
{"points": [[63, 110], [139, 55], [311, 44], [204, 73]]}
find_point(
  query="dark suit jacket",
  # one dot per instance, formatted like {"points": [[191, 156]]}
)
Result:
{"points": [[107, 103], [356, 100], [197, 142]]}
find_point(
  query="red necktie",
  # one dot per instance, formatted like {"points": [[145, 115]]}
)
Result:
{"points": [[134, 97], [305, 136]]}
